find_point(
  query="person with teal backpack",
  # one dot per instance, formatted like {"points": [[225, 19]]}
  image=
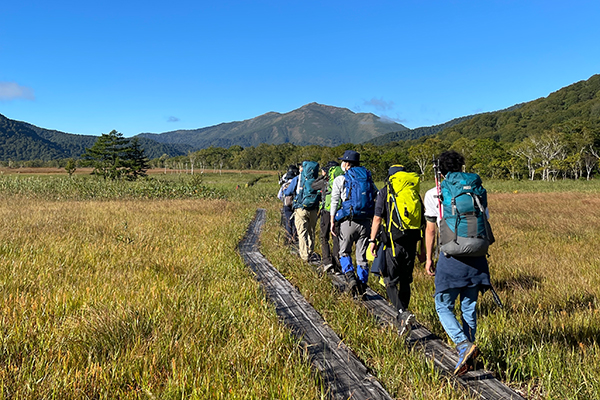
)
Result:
{"points": [[306, 208], [324, 183], [353, 205], [458, 208], [398, 223]]}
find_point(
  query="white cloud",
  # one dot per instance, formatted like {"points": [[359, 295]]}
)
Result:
{"points": [[12, 91], [391, 120], [380, 104], [173, 119]]}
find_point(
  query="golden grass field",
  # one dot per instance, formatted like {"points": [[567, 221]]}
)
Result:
{"points": [[148, 298]]}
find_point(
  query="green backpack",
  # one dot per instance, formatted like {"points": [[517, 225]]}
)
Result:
{"points": [[333, 173], [404, 205]]}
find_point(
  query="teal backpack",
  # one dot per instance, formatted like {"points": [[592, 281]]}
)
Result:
{"points": [[307, 197], [464, 228]]}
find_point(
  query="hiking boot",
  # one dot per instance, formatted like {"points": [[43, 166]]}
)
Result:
{"points": [[314, 259], [362, 288], [405, 320], [328, 269], [467, 351], [352, 282]]}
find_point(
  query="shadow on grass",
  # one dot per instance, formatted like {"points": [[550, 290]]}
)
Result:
{"points": [[518, 283]]}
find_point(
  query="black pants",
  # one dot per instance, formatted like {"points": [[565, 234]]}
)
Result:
{"points": [[328, 256], [398, 273]]}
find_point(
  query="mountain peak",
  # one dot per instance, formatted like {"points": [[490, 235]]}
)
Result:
{"points": [[313, 123]]}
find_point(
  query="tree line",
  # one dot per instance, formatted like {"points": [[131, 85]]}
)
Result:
{"points": [[567, 152]]}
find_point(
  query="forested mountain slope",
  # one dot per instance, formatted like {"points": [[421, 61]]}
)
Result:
{"points": [[311, 124]]}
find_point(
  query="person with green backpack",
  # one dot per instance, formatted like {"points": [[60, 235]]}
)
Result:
{"points": [[457, 207], [323, 184], [398, 224]]}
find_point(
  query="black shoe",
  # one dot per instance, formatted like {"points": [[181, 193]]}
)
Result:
{"points": [[362, 289], [328, 269], [405, 320], [352, 282], [314, 259]]}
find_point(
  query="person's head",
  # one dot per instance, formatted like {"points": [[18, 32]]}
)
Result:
{"points": [[395, 168], [350, 159], [451, 161], [292, 171], [325, 169]]}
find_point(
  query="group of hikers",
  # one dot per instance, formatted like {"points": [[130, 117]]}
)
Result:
{"points": [[393, 226]]}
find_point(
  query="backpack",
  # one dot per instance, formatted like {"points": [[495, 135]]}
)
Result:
{"points": [[404, 205], [307, 197], [464, 228], [360, 195], [288, 201], [333, 173]]}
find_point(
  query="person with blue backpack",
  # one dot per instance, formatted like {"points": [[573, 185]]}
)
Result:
{"points": [[306, 208], [457, 209], [353, 205], [288, 181]]}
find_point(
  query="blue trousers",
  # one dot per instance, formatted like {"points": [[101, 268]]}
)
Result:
{"points": [[444, 305]]}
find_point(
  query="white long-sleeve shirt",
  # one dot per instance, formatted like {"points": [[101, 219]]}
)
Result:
{"points": [[338, 194]]}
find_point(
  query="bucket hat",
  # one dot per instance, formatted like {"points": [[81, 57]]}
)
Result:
{"points": [[350, 155]]}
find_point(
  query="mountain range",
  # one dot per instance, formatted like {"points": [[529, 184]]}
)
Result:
{"points": [[310, 124], [316, 124]]}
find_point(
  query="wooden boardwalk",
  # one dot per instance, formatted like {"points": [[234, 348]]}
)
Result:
{"points": [[346, 376]]}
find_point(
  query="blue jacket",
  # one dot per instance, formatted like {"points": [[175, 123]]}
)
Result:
{"points": [[291, 189]]}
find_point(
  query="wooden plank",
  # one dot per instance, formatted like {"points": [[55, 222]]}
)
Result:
{"points": [[344, 374]]}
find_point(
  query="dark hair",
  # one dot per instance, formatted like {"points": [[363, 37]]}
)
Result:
{"points": [[451, 161], [354, 163], [330, 165]]}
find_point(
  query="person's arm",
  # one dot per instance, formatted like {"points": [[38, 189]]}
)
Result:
{"points": [[429, 242], [336, 191], [374, 229]]}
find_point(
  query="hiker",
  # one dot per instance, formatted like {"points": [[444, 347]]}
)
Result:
{"points": [[352, 204], [330, 258], [306, 208], [287, 210], [458, 271], [398, 223]]}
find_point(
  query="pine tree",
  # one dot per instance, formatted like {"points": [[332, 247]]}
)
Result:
{"points": [[108, 155], [136, 160]]}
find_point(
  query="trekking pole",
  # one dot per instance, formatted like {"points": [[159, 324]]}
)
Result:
{"points": [[496, 297], [437, 177]]}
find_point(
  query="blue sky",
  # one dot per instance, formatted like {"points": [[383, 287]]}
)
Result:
{"points": [[146, 66]]}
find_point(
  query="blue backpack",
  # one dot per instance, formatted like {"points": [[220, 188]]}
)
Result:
{"points": [[360, 195], [307, 197], [464, 228]]}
